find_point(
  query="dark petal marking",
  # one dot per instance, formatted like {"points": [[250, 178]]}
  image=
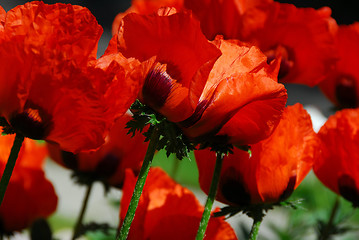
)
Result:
{"points": [[290, 188], [70, 160], [233, 189], [345, 92], [348, 189], [107, 166], [157, 87], [33, 122], [197, 114]]}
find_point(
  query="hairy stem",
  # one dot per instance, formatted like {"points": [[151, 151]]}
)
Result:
{"points": [[122, 235], [211, 196], [255, 228]]}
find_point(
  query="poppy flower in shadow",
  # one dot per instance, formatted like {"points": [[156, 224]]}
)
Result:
{"points": [[29, 195], [220, 87], [338, 167], [341, 85], [52, 86], [109, 162], [276, 166], [302, 37], [157, 218]]}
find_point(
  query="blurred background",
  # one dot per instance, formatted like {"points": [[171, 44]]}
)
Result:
{"points": [[281, 223]]}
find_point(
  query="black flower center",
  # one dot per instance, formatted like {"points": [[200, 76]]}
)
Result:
{"points": [[287, 61], [70, 160], [108, 165], [345, 92], [232, 188], [33, 122], [348, 189]]}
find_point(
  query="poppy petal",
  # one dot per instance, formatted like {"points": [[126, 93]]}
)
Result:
{"points": [[158, 219], [240, 84], [337, 168], [341, 85]]}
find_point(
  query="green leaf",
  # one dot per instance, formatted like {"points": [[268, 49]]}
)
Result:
{"points": [[171, 140], [255, 211], [104, 228]]}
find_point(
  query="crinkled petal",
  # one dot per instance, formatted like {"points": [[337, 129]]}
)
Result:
{"points": [[58, 91]]}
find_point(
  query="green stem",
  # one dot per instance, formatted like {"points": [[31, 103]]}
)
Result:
{"points": [[122, 235], [19, 138], [255, 228], [210, 199], [325, 234], [82, 213]]}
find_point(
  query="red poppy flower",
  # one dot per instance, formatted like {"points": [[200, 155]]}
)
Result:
{"points": [[277, 166], [29, 195], [183, 58], [187, 87], [108, 163], [338, 167], [241, 101], [302, 37], [341, 85], [52, 86], [168, 211]]}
